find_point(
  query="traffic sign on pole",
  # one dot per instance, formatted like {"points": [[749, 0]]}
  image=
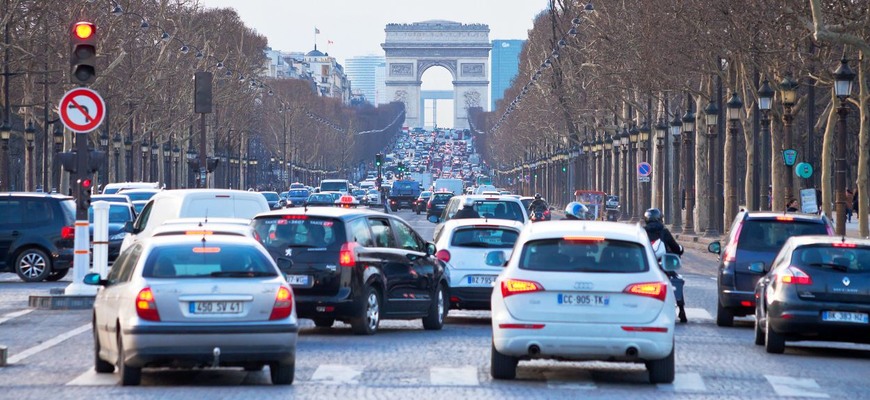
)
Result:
{"points": [[804, 170], [789, 156], [82, 110], [644, 169]]}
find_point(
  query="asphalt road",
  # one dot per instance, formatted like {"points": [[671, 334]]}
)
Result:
{"points": [[51, 356]]}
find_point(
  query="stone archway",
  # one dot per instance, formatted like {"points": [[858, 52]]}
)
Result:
{"points": [[463, 49]]}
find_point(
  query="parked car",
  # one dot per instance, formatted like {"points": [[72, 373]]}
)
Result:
{"points": [[194, 301], [755, 237], [817, 288], [584, 294], [464, 247], [37, 232], [355, 265]]}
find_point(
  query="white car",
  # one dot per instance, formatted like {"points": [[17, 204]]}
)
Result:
{"points": [[468, 247], [374, 197], [584, 291]]}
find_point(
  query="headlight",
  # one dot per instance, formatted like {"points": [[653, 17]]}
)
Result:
{"points": [[118, 236]]}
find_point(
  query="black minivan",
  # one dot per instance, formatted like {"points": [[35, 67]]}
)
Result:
{"points": [[355, 265], [36, 235], [755, 237]]}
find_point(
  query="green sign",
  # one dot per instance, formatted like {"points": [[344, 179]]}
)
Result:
{"points": [[789, 156], [804, 170]]}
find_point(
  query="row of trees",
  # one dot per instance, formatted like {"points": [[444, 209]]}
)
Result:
{"points": [[630, 54]]}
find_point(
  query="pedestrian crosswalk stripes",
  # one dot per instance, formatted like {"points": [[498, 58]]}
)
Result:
{"points": [[337, 374], [698, 314], [686, 382], [786, 386]]}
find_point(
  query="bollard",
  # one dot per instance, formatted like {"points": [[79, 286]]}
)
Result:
{"points": [[81, 262], [101, 238], [3, 352]]}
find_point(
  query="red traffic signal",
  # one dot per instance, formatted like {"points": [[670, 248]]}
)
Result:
{"points": [[86, 183], [84, 30]]}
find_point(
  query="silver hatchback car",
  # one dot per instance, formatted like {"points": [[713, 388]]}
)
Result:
{"points": [[194, 301]]}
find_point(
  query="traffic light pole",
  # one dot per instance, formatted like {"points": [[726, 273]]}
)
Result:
{"points": [[81, 255]]}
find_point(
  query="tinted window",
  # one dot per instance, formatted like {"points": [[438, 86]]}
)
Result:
{"points": [[271, 196], [568, 255], [407, 238], [277, 234], [491, 238], [299, 193], [382, 233], [37, 211], [845, 259], [320, 198], [767, 235], [117, 214], [140, 195], [360, 233], [122, 269], [144, 214], [441, 198], [195, 261], [11, 211]]}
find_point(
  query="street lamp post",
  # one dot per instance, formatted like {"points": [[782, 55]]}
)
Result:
{"points": [[176, 157], [584, 164], [58, 147], [29, 137], [734, 115], [104, 146], [624, 142], [711, 113], [661, 131], [676, 128], [5, 133], [765, 101], [155, 149], [116, 145], [844, 79], [788, 91], [689, 170], [192, 164], [167, 158], [633, 188], [128, 154], [144, 149], [614, 184]]}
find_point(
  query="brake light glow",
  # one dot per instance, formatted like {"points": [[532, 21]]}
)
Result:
{"points": [[198, 233], [521, 326], [730, 254], [346, 256], [794, 276], [645, 329], [511, 287], [656, 290], [68, 232], [283, 304], [784, 218], [443, 255], [146, 308], [747, 303], [295, 217], [206, 250], [846, 245]]}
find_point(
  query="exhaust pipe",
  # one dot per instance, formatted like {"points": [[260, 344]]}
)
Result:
{"points": [[631, 352], [534, 350], [217, 357]]}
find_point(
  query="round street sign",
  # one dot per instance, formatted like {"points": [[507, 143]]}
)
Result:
{"points": [[82, 110], [804, 170], [644, 169]]}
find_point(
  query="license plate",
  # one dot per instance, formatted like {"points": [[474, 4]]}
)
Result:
{"points": [[483, 280], [840, 316], [298, 280], [215, 307], [592, 300]]}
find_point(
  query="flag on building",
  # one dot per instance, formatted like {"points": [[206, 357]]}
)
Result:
{"points": [[329, 42], [316, 31]]}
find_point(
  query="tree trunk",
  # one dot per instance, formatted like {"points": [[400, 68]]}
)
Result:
{"points": [[777, 179], [828, 156], [749, 180], [702, 220], [864, 151]]}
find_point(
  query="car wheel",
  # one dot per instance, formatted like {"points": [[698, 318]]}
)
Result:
{"points": [[32, 265], [774, 342], [724, 316], [282, 374], [437, 310], [370, 314], [57, 275], [759, 333], [661, 371], [129, 376], [100, 365], [502, 366], [324, 322]]}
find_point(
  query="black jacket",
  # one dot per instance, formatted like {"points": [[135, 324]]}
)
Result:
{"points": [[538, 205], [656, 230]]}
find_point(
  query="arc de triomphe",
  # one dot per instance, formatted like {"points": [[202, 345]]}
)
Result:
{"points": [[463, 49]]}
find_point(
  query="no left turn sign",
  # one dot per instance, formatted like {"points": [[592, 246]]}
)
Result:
{"points": [[82, 110]]}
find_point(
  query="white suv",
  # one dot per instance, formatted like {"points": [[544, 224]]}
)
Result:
{"points": [[584, 291]]}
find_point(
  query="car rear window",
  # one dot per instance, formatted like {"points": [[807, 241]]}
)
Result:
{"points": [[271, 196], [484, 237], [299, 193], [442, 197], [844, 257], [206, 260], [140, 196], [770, 235], [339, 186], [117, 214], [583, 255], [499, 209], [279, 233]]}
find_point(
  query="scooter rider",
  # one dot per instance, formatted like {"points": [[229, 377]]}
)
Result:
{"points": [[538, 204], [656, 230], [575, 211]]}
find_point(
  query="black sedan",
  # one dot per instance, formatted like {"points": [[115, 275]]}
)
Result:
{"points": [[817, 288], [119, 214]]}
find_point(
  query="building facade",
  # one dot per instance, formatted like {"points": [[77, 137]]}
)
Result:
{"points": [[362, 73], [329, 75], [505, 64]]}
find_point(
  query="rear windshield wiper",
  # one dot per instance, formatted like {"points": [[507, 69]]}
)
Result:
{"points": [[242, 274], [837, 267]]}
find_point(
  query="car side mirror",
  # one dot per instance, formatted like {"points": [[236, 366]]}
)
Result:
{"points": [[671, 263], [495, 258], [94, 279], [430, 249], [434, 219], [714, 247], [757, 267], [128, 227]]}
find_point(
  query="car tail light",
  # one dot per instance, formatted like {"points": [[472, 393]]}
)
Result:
{"points": [[516, 286], [521, 326], [782, 218], [346, 256], [283, 304], [645, 329], [146, 308], [656, 290], [845, 245], [443, 255], [295, 217], [730, 254], [68, 232], [794, 276]]}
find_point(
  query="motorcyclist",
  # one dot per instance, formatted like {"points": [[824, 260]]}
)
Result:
{"points": [[467, 210], [656, 231], [538, 205], [575, 211]]}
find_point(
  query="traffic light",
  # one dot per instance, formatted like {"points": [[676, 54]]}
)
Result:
{"points": [[84, 194], [379, 159], [83, 53], [401, 166]]}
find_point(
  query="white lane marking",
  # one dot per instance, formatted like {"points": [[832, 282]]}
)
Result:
{"points": [[92, 378], [688, 382], [49, 343], [15, 314], [694, 314], [713, 278], [454, 376], [574, 381], [337, 374], [786, 386]]}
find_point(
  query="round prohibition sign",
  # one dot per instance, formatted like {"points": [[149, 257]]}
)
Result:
{"points": [[82, 110]]}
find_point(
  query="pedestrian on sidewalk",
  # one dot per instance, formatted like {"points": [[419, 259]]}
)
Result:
{"points": [[850, 197], [792, 205]]}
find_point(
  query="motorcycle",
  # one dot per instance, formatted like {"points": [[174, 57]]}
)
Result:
{"points": [[540, 215], [676, 280]]}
